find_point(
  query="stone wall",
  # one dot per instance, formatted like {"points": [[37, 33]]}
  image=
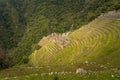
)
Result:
{"points": [[59, 39]]}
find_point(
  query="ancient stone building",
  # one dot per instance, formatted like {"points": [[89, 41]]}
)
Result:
{"points": [[59, 39]]}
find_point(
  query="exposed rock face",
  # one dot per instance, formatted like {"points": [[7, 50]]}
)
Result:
{"points": [[59, 39]]}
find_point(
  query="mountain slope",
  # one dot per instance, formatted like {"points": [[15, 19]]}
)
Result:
{"points": [[89, 53], [10, 26], [97, 42], [24, 22], [48, 16]]}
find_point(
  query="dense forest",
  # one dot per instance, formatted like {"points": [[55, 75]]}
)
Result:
{"points": [[24, 22]]}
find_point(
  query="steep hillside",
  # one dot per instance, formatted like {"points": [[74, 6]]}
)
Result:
{"points": [[10, 26], [47, 16], [99, 42], [24, 22], [88, 53]]}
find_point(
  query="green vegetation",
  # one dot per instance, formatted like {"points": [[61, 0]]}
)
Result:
{"points": [[97, 42], [11, 31], [10, 27], [24, 23], [94, 47], [56, 16], [53, 72]]}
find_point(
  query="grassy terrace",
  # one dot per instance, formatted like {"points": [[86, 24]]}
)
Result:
{"points": [[59, 72], [99, 41], [94, 47]]}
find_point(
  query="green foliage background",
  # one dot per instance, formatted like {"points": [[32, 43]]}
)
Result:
{"points": [[24, 22]]}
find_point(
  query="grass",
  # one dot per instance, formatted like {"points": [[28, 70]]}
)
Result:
{"points": [[58, 73], [98, 43]]}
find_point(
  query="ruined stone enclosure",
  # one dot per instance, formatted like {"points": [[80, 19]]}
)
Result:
{"points": [[58, 38]]}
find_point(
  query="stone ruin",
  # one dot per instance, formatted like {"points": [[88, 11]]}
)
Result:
{"points": [[58, 38]]}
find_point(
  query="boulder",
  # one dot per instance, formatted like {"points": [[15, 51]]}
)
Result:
{"points": [[81, 71]]}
